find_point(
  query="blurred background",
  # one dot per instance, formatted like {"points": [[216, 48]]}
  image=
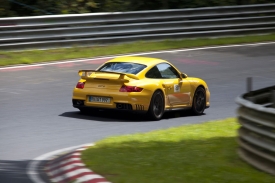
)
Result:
{"points": [[15, 8]]}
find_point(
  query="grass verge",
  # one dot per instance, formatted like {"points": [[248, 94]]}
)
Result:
{"points": [[35, 56], [192, 153]]}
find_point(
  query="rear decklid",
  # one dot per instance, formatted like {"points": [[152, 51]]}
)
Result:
{"points": [[105, 79]]}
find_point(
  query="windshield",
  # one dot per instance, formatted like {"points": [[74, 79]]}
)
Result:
{"points": [[123, 67]]}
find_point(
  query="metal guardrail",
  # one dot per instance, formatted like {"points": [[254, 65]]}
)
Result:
{"points": [[108, 28], [256, 115]]}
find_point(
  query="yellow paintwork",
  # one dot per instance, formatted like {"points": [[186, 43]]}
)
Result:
{"points": [[110, 88]]}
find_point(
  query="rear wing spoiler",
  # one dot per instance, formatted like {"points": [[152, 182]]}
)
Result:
{"points": [[84, 74]]}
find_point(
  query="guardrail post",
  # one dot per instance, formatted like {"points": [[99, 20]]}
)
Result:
{"points": [[249, 84]]}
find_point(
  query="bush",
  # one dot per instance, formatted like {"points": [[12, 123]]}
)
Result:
{"points": [[31, 7]]}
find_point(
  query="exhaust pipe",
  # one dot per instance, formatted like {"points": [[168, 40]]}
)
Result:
{"points": [[119, 106]]}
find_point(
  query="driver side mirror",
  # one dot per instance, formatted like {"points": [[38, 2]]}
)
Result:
{"points": [[183, 75]]}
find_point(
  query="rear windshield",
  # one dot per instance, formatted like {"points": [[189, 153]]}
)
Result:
{"points": [[124, 67]]}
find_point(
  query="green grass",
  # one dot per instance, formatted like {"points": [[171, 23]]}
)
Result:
{"points": [[35, 56], [188, 154]]}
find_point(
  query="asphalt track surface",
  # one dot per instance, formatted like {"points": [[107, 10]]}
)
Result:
{"points": [[37, 117]]}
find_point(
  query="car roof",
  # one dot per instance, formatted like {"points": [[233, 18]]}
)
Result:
{"points": [[140, 60]]}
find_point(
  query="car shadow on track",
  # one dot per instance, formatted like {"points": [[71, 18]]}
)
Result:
{"points": [[120, 116]]}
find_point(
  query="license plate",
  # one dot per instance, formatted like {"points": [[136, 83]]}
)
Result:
{"points": [[100, 99]]}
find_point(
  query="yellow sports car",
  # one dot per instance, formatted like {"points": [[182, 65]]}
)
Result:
{"points": [[140, 84]]}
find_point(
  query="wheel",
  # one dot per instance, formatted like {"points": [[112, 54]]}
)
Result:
{"points": [[199, 101], [156, 108]]}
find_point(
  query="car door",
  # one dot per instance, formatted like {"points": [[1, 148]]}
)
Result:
{"points": [[177, 88]]}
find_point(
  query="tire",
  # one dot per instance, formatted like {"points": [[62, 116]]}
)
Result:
{"points": [[199, 101], [156, 109]]}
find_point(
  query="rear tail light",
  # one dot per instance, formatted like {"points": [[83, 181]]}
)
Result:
{"points": [[125, 88], [80, 85]]}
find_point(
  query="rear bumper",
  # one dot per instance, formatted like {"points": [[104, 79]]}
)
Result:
{"points": [[80, 104], [124, 101]]}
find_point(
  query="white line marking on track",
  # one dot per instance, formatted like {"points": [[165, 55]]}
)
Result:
{"points": [[80, 149], [134, 54], [34, 164]]}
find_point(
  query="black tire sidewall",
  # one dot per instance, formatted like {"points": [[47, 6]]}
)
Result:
{"points": [[151, 108], [194, 98]]}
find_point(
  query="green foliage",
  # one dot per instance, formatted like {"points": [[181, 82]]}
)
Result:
{"points": [[76, 6], [136, 5], [201, 153], [42, 7], [115, 5], [5, 9]]}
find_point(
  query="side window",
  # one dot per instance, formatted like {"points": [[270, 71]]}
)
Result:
{"points": [[167, 71], [153, 73]]}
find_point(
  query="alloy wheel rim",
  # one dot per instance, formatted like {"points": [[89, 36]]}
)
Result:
{"points": [[158, 105], [200, 100]]}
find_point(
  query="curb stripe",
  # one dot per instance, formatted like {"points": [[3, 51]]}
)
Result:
{"points": [[69, 167], [64, 162], [34, 165], [72, 175], [60, 166], [65, 159]]}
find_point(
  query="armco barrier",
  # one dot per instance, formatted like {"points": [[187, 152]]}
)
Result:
{"points": [[107, 28], [256, 115]]}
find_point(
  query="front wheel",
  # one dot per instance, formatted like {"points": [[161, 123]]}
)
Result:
{"points": [[156, 108], [199, 101]]}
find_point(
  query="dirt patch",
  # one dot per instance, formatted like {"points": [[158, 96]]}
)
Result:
{"points": [[4, 56]]}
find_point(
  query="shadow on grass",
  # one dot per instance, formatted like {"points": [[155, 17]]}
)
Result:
{"points": [[122, 116], [207, 160]]}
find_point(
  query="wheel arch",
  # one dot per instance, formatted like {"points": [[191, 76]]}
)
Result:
{"points": [[158, 89], [195, 89], [200, 86]]}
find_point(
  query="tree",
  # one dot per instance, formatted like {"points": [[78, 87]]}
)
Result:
{"points": [[75, 6], [44, 7], [5, 10]]}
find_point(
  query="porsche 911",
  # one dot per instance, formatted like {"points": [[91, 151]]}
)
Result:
{"points": [[140, 84]]}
